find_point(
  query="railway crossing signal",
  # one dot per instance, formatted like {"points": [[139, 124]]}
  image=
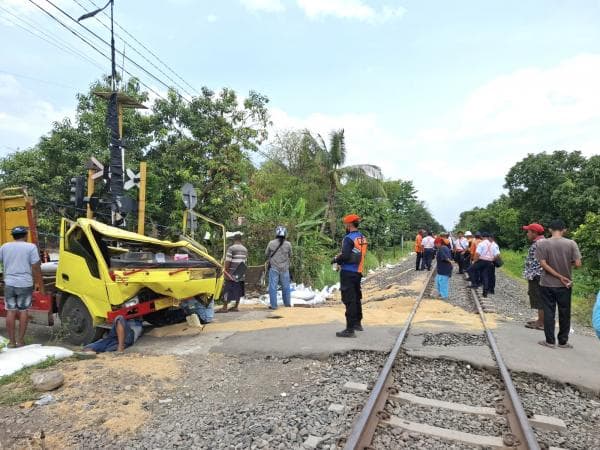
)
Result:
{"points": [[77, 187]]}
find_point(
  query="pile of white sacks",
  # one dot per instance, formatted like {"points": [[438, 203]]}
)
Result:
{"points": [[14, 359], [300, 295]]}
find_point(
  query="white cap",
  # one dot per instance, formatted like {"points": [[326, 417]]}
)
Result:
{"points": [[468, 233]]}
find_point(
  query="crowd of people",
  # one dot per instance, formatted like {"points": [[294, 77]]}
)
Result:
{"points": [[477, 254], [547, 269]]}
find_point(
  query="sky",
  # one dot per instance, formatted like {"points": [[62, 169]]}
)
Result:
{"points": [[449, 95]]}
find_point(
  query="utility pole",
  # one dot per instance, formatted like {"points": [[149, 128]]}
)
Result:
{"points": [[116, 149], [114, 117]]}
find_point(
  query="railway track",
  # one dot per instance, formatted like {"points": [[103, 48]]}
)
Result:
{"points": [[378, 413]]}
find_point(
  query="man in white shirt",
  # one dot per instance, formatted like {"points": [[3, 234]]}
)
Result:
{"points": [[428, 250], [460, 246], [483, 262]]}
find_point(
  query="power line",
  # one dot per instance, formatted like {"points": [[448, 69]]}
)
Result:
{"points": [[18, 75], [147, 49], [138, 52], [93, 46], [100, 38], [34, 29]]}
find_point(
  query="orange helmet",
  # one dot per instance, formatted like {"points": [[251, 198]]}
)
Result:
{"points": [[351, 218]]}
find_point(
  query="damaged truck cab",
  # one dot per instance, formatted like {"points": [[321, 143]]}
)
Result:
{"points": [[105, 271]]}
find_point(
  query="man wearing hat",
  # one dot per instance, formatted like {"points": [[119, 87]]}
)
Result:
{"points": [[532, 273], [21, 261], [351, 261]]}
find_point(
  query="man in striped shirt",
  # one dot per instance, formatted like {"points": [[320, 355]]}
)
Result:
{"points": [[235, 270]]}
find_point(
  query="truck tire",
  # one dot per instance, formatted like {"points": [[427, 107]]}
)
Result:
{"points": [[78, 322]]}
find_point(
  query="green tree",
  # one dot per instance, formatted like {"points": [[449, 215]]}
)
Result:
{"points": [[545, 186], [332, 161]]}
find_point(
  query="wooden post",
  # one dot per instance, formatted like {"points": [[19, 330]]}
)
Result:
{"points": [[142, 198], [90, 191]]}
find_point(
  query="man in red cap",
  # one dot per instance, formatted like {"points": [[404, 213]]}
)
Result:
{"points": [[351, 261], [532, 273]]}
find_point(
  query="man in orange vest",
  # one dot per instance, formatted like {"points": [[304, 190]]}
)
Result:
{"points": [[351, 263], [419, 249]]}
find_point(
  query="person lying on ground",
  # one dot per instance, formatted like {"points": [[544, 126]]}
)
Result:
{"points": [[124, 333]]}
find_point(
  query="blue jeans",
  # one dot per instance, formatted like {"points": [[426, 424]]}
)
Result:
{"points": [[441, 284], [276, 278], [17, 298]]}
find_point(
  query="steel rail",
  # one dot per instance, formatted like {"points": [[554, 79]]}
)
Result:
{"points": [[365, 425], [517, 407]]}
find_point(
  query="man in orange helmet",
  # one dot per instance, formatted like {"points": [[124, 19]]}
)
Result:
{"points": [[351, 263]]}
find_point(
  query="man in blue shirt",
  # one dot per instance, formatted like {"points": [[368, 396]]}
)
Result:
{"points": [[444, 268], [351, 261]]}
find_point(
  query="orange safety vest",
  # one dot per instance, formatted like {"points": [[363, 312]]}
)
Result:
{"points": [[359, 252], [474, 243], [418, 244]]}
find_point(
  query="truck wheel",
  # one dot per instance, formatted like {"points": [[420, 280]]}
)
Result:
{"points": [[78, 322]]}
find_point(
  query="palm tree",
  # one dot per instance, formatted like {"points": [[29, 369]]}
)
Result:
{"points": [[331, 161]]}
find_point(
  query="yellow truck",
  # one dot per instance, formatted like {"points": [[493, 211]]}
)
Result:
{"points": [[104, 272]]}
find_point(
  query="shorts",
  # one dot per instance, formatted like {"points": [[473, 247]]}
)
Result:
{"points": [[234, 290], [535, 294], [17, 298]]}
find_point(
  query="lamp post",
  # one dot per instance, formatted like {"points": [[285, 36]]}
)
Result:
{"points": [[117, 155]]}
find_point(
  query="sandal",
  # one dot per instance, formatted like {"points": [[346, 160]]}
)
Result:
{"points": [[533, 326], [11, 345], [234, 309], [565, 345], [222, 310], [545, 344]]}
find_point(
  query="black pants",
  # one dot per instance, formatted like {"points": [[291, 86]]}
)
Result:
{"points": [[351, 297], [419, 260], [466, 261], [553, 297], [492, 279], [482, 273], [459, 258], [428, 254]]}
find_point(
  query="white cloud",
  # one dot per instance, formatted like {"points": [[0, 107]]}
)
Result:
{"points": [[343, 9], [263, 5], [461, 161], [211, 18], [350, 9], [563, 95], [24, 117]]}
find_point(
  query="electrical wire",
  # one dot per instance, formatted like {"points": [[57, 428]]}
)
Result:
{"points": [[48, 38], [27, 77], [94, 47], [146, 48], [137, 51], [100, 38]]}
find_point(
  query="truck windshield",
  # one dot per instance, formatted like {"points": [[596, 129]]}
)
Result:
{"points": [[122, 253]]}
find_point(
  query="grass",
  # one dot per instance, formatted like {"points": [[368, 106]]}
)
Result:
{"points": [[583, 286], [17, 388], [374, 259]]}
